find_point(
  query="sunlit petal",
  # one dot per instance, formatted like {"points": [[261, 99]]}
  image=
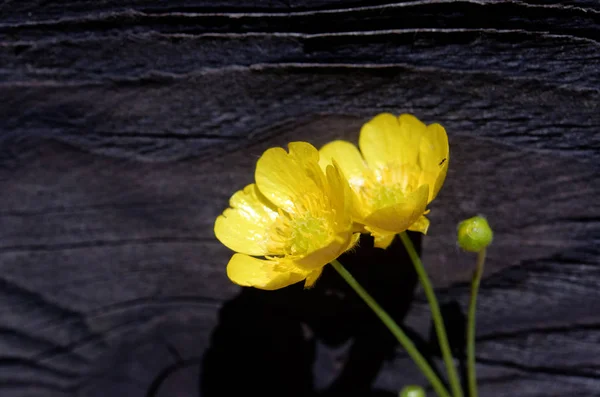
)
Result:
{"points": [[383, 240], [341, 196], [434, 156], [281, 177], [388, 139], [246, 225], [312, 277], [307, 156], [325, 254], [353, 242], [248, 271], [398, 217], [420, 225], [348, 158]]}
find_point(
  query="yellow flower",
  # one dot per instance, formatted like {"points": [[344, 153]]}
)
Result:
{"points": [[401, 169], [296, 216]]}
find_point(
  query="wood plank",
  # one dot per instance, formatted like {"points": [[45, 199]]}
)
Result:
{"points": [[213, 113], [124, 129], [138, 234], [517, 53], [106, 15]]}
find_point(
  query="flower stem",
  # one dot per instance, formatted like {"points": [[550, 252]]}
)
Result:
{"points": [[438, 321], [404, 340], [471, 324]]}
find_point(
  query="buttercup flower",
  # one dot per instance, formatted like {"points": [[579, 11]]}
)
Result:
{"points": [[400, 168], [297, 216]]}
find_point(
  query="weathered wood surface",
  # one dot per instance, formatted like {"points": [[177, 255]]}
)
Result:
{"points": [[124, 128]]}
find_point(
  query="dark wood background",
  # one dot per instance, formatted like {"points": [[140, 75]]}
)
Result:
{"points": [[126, 125]]}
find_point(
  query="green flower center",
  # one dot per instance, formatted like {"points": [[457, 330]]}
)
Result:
{"points": [[386, 195], [308, 234]]}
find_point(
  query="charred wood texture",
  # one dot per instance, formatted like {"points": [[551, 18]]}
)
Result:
{"points": [[126, 125]]}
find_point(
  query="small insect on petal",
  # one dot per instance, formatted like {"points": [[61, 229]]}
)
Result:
{"points": [[399, 157]]}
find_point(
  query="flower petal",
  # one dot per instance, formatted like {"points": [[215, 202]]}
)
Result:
{"points": [[247, 271], [353, 241], [307, 156], [398, 217], [304, 151], [387, 139], [283, 177], [328, 254], [420, 225], [434, 155], [245, 226], [439, 181], [322, 256], [347, 157], [383, 240], [340, 197], [312, 277], [354, 208]]}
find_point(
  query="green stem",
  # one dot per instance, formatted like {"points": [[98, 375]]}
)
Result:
{"points": [[404, 340], [471, 324], [436, 314]]}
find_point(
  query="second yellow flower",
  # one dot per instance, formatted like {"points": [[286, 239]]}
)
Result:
{"points": [[400, 168]]}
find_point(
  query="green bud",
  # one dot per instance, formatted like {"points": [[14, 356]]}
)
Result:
{"points": [[412, 391], [474, 234]]}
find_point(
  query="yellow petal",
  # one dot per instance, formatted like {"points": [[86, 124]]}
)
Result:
{"points": [[358, 227], [312, 277], [347, 157], [247, 271], [304, 151], [325, 254], [282, 178], [387, 139], [383, 240], [439, 180], [398, 217], [421, 225], [340, 197], [245, 227], [353, 242], [307, 156], [434, 155]]}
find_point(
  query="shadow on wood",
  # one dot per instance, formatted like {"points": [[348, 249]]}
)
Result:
{"points": [[265, 342], [125, 127]]}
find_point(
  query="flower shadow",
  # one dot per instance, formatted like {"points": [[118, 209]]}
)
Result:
{"points": [[265, 341]]}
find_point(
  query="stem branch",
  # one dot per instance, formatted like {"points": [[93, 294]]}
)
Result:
{"points": [[404, 340], [436, 314], [471, 324]]}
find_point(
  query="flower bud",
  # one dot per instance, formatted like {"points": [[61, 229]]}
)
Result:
{"points": [[474, 234], [412, 391]]}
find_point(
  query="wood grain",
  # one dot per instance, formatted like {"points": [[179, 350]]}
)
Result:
{"points": [[125, 127]]}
